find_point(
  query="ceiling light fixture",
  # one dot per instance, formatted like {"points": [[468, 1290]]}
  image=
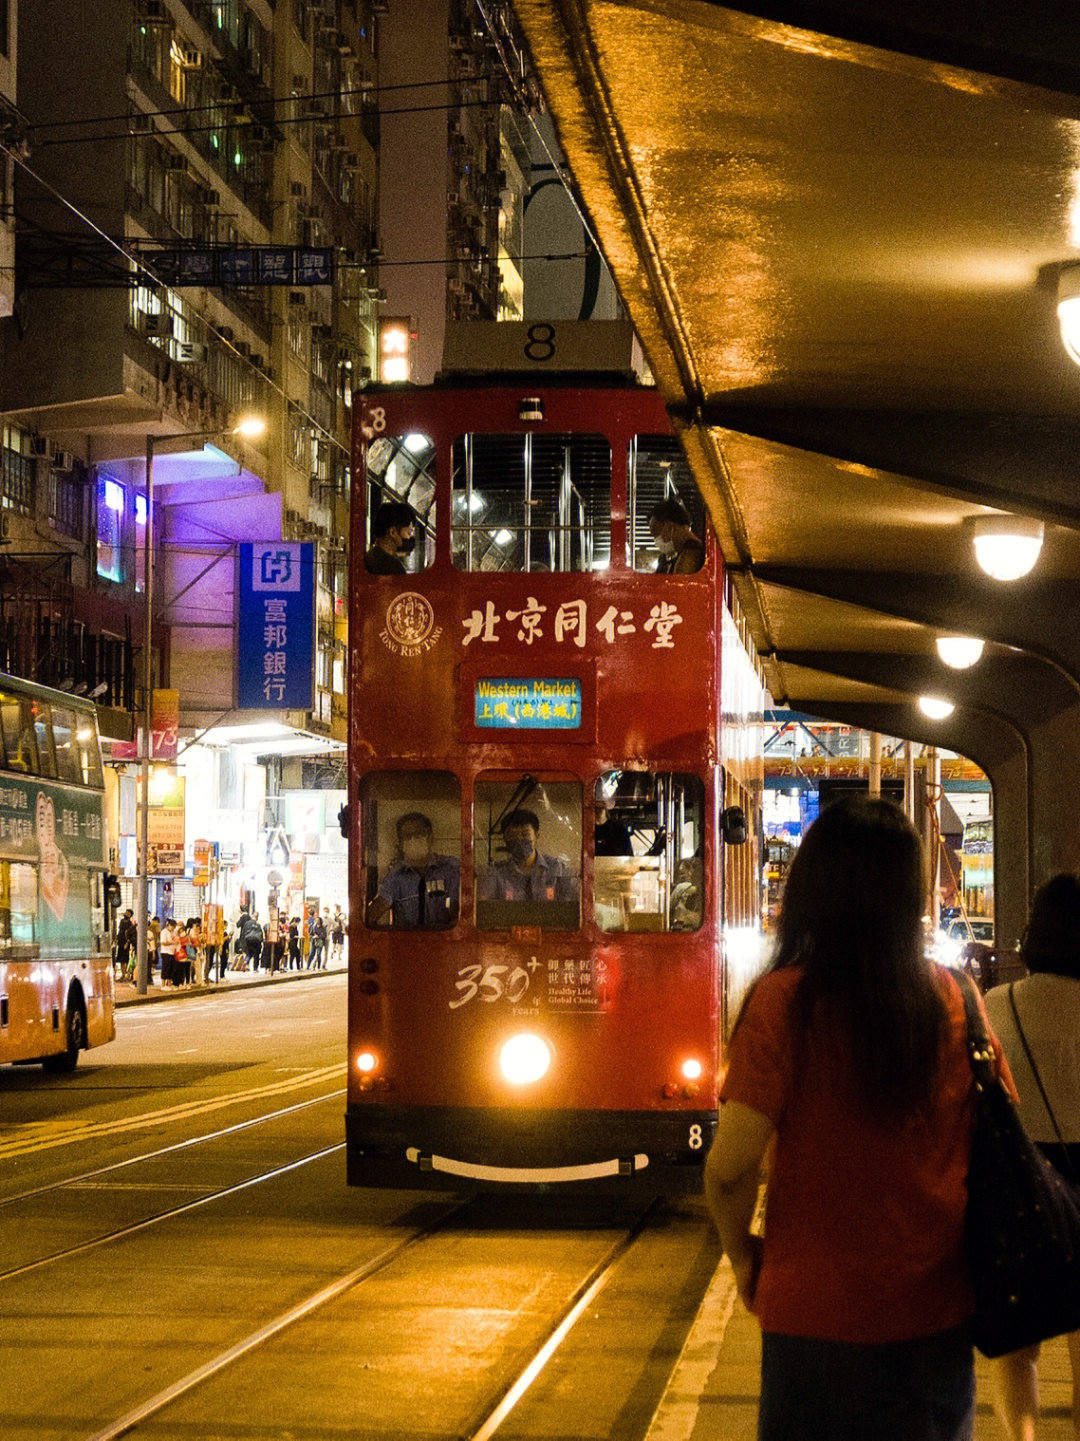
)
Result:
{"points": [[935, 708], [959, 651], [1006, 546], [1068, 310]]}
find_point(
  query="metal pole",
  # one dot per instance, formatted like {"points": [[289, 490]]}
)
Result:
{"points": [[875, 764], [909, 781], [142, 888]]}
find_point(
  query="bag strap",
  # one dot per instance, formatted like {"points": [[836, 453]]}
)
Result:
{"points": [[980, 1051], [1034, 1067]]}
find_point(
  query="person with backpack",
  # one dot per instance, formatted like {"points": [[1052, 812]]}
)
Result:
{"points": [[249, 935]]}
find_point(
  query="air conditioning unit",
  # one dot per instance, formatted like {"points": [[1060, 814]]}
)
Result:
{"points": [[154, 10], [39, 445], [156, 322], [190, 353], [212, 199], [351, 160], [297, 189], [258, 361], [243, 348], [63, 461], [139, 124], [297, 297]]}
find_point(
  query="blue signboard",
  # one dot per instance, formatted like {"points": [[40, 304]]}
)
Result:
{"points": [[275, 667], [506, 702], [228, 265]]}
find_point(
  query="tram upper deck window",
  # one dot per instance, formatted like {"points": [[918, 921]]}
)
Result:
{"points": [[531, 502], [657, 471], [648, 844], [401, 476], [411, 824], [528, 854]]}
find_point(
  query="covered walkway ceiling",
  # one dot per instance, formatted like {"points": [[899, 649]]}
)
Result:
{"points": [[838, 229]]}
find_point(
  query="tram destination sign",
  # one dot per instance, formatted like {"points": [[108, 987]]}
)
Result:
{"points": [[532, 703]]}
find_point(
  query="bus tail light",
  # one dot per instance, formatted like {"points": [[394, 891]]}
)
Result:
{"points": [[524, 1058]]}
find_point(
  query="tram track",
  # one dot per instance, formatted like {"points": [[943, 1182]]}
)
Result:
{"points": [[170, 1214], [488, 1418], [97, 1172]]}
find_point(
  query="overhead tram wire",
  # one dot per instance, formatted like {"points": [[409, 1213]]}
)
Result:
{"points": [[154, 280], [363, 90]]}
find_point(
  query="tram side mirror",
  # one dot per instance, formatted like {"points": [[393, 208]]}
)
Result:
{"points": [[343, 820], [734, 827]]}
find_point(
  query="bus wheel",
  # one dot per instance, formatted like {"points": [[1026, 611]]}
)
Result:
{"points": [[75, 1030]]}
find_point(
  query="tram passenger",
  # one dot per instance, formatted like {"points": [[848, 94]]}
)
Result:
{"points": [[681, 552], [422, 891], [529, 874], [611, 836], [393, 536]]}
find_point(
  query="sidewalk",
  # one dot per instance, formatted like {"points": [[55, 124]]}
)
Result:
{"points": [[713, 1392], [126, 994]]}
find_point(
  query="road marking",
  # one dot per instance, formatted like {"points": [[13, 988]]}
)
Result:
{"points": [[47, 1135], [676, 1416]]}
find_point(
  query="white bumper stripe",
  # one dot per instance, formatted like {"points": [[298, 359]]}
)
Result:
{"points": [[524, 1174]]}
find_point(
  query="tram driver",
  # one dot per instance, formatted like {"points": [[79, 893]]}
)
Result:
{"points": [[529, 874], [421, 891]]}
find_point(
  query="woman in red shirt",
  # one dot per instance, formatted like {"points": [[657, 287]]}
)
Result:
{"points": [[851, 1052]]}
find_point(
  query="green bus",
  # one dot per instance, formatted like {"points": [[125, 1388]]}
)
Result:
{"points": [[56, 977]]}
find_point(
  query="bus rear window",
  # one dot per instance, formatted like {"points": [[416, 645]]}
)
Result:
{"points": [[531, 502]]}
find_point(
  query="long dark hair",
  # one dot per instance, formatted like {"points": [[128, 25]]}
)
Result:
{"points": [[1052, 939], [851, 921]]}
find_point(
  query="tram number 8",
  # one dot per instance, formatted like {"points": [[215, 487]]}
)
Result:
{"points": [[487, 982], [540, 345], [695, 1140]]}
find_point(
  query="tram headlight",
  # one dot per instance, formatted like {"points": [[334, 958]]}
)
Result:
{"points": [[691, 1069], [366, 1062], [524, 1058]]}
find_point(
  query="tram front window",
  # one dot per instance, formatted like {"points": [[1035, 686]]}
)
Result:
{"points": [[528, 849], [412, 849], [648, 845]]}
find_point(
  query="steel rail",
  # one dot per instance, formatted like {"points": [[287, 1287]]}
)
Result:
{"points": [[167, 1150], [108, 1237]]}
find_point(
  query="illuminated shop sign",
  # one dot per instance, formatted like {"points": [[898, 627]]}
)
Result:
{"points": [[509, 703]]}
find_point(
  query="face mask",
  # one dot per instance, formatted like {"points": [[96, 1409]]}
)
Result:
{"points": [[665, 547], [415, 852], [407, 546], [520, 850]]}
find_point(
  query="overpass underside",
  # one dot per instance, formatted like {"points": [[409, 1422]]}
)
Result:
{"points": [[839, 230]]}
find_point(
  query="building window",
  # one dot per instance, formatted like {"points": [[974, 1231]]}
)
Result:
{"points": [[110, 529], [16, 471], [66, 501]]}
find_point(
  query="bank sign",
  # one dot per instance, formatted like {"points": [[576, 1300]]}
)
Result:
{"points": [[275, 664]]}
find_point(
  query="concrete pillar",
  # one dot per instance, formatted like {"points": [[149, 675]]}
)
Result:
{"points": [[875, 763]]}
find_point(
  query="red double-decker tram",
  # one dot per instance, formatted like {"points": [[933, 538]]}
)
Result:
{"points": [[536, 794]]}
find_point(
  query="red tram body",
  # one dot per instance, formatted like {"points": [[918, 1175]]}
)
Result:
{"points": [[479, 691]]}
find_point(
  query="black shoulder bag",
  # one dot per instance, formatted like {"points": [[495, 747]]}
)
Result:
{"points": [[1022, 1224]]}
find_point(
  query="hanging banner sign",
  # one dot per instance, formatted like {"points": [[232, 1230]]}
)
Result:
{"points": [[276, 626], [244, 265]]}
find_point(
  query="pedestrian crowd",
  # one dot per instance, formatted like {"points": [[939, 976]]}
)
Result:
{"points": [[183, 954]]}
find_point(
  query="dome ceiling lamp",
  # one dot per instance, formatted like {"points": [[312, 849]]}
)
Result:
{"points": [[1006, 546]]}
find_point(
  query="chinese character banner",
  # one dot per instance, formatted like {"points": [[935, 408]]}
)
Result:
{"points": [[275, 664]]}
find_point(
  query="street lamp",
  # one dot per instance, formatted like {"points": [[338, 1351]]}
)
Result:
{"points": [[249, 427]]}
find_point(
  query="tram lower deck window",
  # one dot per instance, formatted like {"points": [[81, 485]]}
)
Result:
{"points": [[648, 846], [411, 827], [528, 853]]}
